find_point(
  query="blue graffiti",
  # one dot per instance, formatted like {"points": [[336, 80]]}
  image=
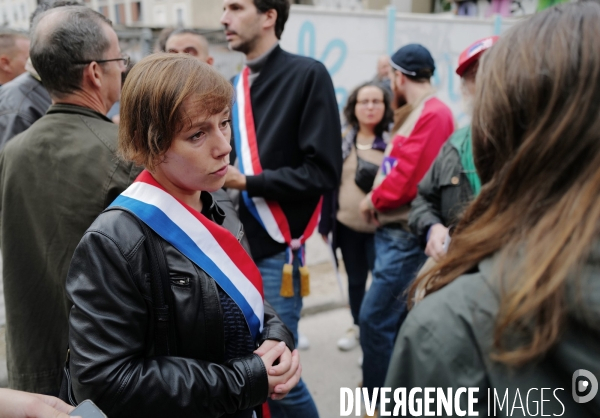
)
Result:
{"points": [[307, 46]]}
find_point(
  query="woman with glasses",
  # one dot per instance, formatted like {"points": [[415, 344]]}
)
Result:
{"points": [[368, 115], [512, 311], [168, 318]]}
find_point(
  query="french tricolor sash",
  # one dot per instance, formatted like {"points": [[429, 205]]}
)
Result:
{"points": [[268, 213], [208, 245]]}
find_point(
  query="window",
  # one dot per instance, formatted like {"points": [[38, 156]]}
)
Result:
{"points": [[136, 11], [179, 17], [103, 10], [120, 14]]}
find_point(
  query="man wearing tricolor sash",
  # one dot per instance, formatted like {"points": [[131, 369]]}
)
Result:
{"points": [[168, 316], [287, 148]]}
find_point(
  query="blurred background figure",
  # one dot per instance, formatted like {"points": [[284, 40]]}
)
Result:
{"points": [[452, 181], [383, 74], [514, 304], [161, 41], [14, 51], [368, 115], [189, 41]]}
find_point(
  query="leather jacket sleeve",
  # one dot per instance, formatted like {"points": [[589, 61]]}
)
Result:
{"points": [[109, 343], [275, 329]]}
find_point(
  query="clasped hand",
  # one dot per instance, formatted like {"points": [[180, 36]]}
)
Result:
{"points": [[284, 375]]}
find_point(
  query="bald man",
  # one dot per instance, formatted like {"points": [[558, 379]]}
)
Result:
{"points": [[382, 77], [189, 41], [14, 51]]}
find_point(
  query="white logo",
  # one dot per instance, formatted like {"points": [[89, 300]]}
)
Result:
{"points": [[580, 386]]}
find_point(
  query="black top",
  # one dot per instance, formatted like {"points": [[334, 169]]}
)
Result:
{"points": [[298, 135]]}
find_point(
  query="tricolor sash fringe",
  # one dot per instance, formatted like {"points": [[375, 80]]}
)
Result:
{"points": [[268, 213], [208, 245]]}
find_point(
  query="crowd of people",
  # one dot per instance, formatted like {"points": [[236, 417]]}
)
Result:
{"points": [[153, 226]]}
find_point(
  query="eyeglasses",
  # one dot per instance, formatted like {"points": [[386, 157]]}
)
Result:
{"points": [[375, 102], [124, 57]]}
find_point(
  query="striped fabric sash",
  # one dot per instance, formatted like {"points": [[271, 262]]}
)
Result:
{"points": [[208, 245], [268, 213]]}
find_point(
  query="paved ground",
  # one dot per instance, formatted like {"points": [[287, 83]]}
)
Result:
{"points": [[325, 368], [325, 319]]}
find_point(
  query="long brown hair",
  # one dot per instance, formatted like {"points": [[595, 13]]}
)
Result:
{"points": [[536, 143]]}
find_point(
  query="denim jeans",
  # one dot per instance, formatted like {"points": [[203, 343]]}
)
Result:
{"points": [[398, 258], [358, 252], [298, 403]]}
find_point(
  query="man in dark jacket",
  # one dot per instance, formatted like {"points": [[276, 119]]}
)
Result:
{"points": [[22, 101], [290, 121], [55, 178]]}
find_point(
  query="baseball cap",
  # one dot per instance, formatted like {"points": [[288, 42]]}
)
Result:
{"points": [[473, 52], [414, 60]]}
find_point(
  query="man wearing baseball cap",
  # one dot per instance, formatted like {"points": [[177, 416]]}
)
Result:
{"points": [[452, 180], [422, 123]]}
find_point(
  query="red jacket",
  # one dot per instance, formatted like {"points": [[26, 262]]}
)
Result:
{"points": [[410, 153]]}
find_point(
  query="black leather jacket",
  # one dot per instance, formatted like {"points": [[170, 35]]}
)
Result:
{"points": [[111, 327]]}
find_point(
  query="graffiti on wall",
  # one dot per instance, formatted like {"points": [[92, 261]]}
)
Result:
{"points": [[333, 56], [349, 45]]}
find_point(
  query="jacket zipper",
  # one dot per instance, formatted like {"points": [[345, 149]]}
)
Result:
{"points": [[180, 281]]}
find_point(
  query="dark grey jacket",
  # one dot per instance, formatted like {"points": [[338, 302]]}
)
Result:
{"points": [[443, 193], [55, 179], [446, 342], [22, 101], [111, 328]]}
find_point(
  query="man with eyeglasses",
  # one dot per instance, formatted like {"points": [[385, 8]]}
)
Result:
{"points": [[55, 179], [24, 99]]}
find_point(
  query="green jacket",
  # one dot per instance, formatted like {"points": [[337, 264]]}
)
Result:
{"points": [[55, 179], [446, 342], [443, 193]]}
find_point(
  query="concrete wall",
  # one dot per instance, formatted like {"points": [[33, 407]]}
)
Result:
{"points": [[349, 43]]}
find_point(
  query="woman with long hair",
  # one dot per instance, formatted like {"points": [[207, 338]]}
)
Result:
{"points": [[514, 304], [168, 318], [368, 115]]}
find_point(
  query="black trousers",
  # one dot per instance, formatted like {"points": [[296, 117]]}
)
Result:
{"points": [[358, 253]]}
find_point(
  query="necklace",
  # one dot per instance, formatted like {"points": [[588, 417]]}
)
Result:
{"points": [[364, 147]]}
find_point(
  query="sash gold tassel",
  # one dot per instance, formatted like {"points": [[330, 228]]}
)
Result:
{"points": [[287, 282], [304, 281]]}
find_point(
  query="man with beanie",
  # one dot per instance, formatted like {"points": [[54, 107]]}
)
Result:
{"points": [[452, 180], [422, 123]]}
